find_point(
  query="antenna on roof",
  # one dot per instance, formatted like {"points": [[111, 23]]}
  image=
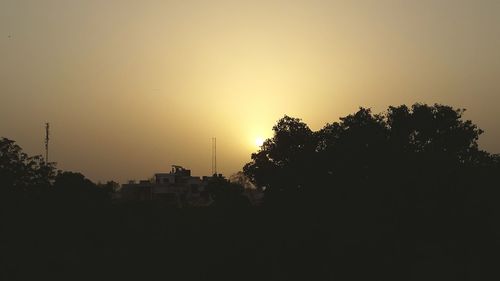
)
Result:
{"points": [[214, 156], [47, 127]]}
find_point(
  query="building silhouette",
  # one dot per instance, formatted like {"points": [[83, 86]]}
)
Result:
{"points": [[176, 188]]}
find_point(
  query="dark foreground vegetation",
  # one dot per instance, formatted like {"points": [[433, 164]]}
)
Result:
{"points": [[405, 195]]}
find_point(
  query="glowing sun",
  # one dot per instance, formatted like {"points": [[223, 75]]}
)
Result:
{"points": [[259, 141]]}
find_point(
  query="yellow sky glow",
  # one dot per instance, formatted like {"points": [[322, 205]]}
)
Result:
{"points": [[131, 87]]}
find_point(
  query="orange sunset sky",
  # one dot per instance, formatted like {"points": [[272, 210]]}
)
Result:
{"points": [[131, 87]]}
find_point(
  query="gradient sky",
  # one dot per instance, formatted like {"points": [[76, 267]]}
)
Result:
{"points": [[131, 87]]}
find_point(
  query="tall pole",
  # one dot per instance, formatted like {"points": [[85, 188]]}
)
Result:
{"points": [[215, 157], [212, 157], [47, 127]]}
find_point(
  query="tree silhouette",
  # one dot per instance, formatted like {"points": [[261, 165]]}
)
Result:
{"points": [[421, 145], [285, 162], [389, 193], [26, 178], [76, 189], [20, 173], [225, 193], [241, 179]]}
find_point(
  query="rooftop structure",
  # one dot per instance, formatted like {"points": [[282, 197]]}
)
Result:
{"points": [[176, 188]]}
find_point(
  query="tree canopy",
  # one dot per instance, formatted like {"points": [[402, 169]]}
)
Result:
{"points": [[23, 177], [20, 172], [401, 145]]}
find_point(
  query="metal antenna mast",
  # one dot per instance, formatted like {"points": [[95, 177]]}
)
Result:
{"points": [[212, 159], [47, 127], [214, 156]]}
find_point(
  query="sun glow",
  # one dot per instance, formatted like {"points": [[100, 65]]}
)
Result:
{"points": [[259, 141]]}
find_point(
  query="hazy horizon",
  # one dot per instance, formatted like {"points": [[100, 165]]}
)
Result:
{"points": [[132, 87]]}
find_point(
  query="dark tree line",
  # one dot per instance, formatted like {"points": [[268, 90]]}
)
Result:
{"points": [[20, 172], [25, 179], [226, 194], [402, 195], [402, 152]]}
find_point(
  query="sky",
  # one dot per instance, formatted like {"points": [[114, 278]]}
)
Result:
{"points": [[133, 87]]}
